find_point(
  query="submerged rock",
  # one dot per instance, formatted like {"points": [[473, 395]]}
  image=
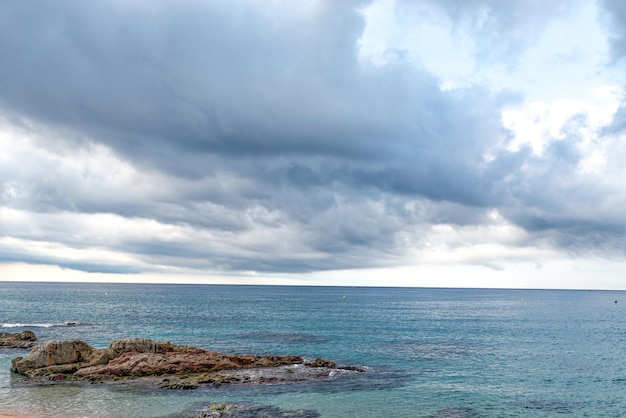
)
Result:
{"points": [[457, 412], [251, 410], [174, 366], [24, 339]]}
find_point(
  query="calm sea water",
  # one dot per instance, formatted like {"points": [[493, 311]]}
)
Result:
{"points": [[429, 352]]}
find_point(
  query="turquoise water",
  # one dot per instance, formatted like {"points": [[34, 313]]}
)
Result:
{"points": [[429, 352]]}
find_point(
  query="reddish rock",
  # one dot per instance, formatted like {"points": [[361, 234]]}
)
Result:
{"points": [[133, 357], [164, 364]]}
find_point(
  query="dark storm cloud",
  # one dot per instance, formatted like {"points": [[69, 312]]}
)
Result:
{"points": [[256, 127], [549, 197], [205, 78], [197, 77]]}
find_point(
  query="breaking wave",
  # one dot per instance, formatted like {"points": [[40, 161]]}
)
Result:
{"points": [[39, 325]]}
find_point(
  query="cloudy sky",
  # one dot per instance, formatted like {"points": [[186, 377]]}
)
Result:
{"points": [[387, 142]]}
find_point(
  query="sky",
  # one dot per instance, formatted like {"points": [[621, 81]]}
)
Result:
{"points": [[444, 143]]}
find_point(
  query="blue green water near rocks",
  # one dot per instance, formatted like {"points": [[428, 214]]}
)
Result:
{"points": [[429, 352]]}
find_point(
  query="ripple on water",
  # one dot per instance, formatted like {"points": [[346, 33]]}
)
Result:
{"points": [[553, 406], [275, 337], [430, 351], [457, 412]]}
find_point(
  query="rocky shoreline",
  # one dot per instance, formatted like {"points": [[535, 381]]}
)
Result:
{"points": [[164, 364]]}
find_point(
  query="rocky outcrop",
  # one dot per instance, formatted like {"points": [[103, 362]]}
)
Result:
{"points": [[319, 362], [24, 339], [176, 366]]}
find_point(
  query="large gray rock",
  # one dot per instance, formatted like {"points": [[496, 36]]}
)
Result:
{"points": [[53, 353]]}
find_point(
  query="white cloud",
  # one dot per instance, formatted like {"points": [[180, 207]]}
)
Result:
{"points": [[546, 52], [424, 35], [538, 123]]}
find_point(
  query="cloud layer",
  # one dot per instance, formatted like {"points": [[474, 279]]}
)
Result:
{"points": [[292, 137]]}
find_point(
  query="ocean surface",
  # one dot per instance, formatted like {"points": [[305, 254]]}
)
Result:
{"points": [[428, 352]]}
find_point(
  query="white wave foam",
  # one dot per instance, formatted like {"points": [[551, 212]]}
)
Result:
{"points": [[40, 325]]}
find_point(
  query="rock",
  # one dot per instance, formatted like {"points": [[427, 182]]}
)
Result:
{"points": [[142, 345], [457, 412], [181, 384], [53, 353], [24, 339], [177, 366], [251, 410], [322, 363], [353, 369]]}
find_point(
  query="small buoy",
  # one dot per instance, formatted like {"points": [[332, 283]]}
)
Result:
{"points": [[522, 300], [615, 300], [343, 297], [106, 293]]}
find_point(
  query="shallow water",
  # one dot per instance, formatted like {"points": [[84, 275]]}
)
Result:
{"points": [[429, 352]]}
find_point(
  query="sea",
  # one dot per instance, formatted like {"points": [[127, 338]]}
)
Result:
{"points": [[426, 352]]}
